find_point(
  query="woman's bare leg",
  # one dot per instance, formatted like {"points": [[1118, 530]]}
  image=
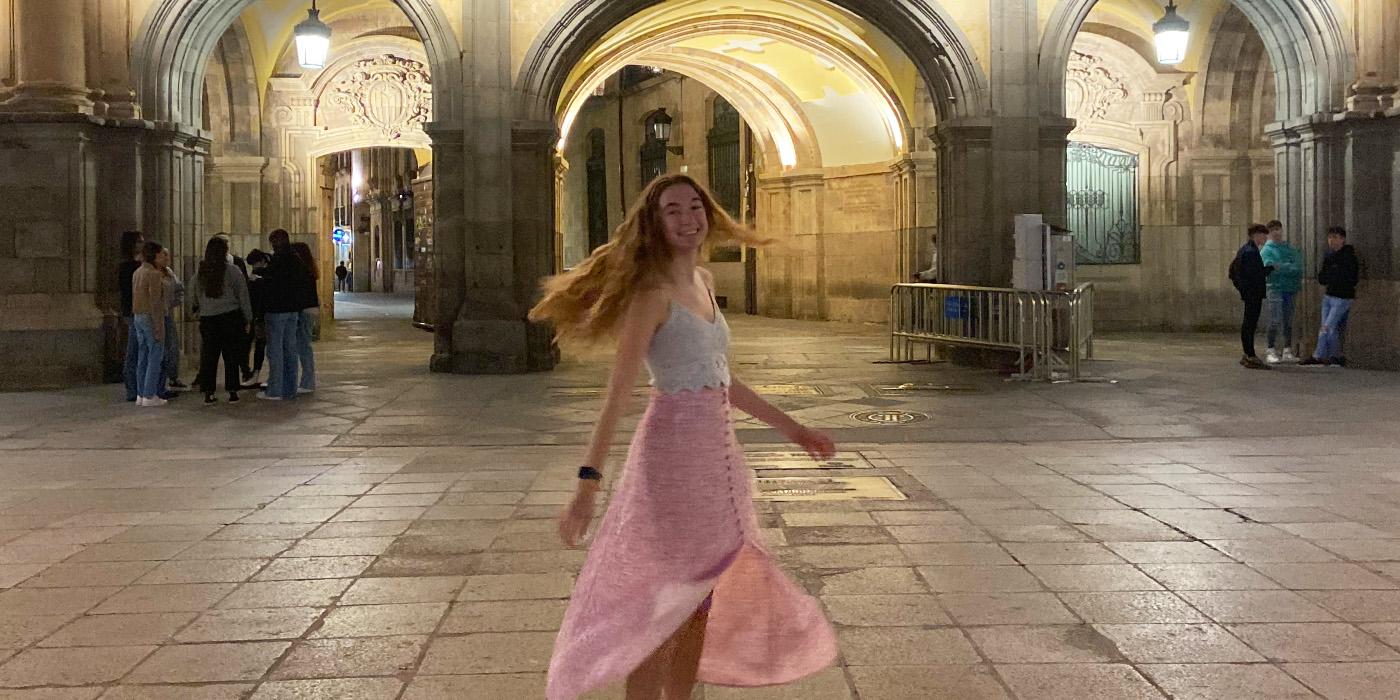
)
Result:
{"points": [[673, 666], [645, 681], [685, 661]]}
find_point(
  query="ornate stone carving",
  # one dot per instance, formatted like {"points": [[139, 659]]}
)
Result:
{"points": [[386, 92], [1091, 89]]}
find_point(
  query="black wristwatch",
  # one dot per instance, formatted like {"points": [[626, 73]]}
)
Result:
{"points": [[590, 473]]}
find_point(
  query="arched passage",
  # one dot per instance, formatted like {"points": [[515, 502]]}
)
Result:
{"points": [[1306, 42], [834, 110], [938, 48], [177, 37]]}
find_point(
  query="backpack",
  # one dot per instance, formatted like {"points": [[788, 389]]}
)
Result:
{"points": [[1236, 273]]}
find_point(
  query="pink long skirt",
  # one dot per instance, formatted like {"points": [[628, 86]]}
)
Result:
{"points": [[680, 528]]}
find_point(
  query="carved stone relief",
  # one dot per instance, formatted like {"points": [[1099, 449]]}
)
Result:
{"points": [[389, 93], [1091, 88]]}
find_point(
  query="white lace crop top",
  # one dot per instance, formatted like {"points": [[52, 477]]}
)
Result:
{"points": [[689, 353]]}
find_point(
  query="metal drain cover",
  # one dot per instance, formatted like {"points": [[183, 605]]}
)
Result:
{"points": [[826, 488], [889, 417]]}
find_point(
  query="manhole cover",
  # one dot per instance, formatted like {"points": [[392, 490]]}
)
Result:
{"points": [[826, 488], [890, 417], [800, 460]]}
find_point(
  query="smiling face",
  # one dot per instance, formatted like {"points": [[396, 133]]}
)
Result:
{"points": [[684, 218], [163, 259]]}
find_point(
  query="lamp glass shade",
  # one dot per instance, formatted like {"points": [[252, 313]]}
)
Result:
{"points": [[661, 125], [1173, 35], [313, 39]]}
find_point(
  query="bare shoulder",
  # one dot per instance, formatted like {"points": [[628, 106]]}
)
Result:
{"points": [[650, 306], [707, 276]]}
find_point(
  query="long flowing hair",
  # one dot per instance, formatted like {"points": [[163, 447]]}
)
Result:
{"points": [[213, 267], [303, 253], [586, 303]]}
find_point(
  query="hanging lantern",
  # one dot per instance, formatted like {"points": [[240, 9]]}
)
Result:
{"points": [[661, 125], [1173, 35], [313, 40]]}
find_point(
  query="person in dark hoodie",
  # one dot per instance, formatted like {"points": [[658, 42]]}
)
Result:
{"points": [[1251, 277], [1340, 273], [284, 299]]}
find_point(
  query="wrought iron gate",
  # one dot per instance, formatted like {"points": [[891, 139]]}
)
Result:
{"points": [[725, 169], [1102, 204], [597, 174]]}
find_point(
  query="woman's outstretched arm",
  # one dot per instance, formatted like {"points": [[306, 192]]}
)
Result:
{"points": [[645, 314], [816, 443]]}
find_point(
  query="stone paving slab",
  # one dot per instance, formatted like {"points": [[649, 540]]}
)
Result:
{"points": [[391, 535]]}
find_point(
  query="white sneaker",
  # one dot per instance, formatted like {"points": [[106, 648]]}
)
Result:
{"points": [[1288, 355], [152, 402], [268, 397], [1271, 357], [304, 390]]}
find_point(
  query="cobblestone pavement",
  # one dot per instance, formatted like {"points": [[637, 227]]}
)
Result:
{"points": [[1194, 530]]}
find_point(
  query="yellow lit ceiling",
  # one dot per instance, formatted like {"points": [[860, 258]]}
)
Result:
{"points": [[850, 89], [269, 25]]}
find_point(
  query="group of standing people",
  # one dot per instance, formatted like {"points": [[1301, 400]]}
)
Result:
{"points": [[1267, 269], [270, 311]]}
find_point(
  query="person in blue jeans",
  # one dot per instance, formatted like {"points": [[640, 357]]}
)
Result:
{"points": [[310, 316], [148, 305], [175, 291], [131, 243], [1340, 273], [1284, 284], [283, 303]]}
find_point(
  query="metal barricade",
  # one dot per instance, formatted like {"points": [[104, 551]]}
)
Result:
{"points": [[1048, 331]]}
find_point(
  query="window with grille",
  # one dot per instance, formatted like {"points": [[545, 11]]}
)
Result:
{"points": [[1102, 205]]}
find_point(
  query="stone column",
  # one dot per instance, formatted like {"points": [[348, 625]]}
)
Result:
{"points": [[967, 235], [449, 239], [1378, 51], [51, 58], [535, 175], [791, 273], [1308, 165]]}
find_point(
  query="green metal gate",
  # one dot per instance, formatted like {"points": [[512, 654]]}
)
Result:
{"points": [[725, 168], [1102, 204], [597, 174]]}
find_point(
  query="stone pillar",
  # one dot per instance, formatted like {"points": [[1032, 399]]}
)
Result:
{"points": [[967, 234], [51, 58], [1308, 164], [48, 201], [535, 175], [449, 239], [1378, 53], [791, 272], [173, 208], [1371, 192]]}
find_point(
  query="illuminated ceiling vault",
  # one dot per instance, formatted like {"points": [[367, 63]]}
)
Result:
{"points": [[820, 87]]}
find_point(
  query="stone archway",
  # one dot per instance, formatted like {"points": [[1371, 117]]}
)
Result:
{"points": [[1305, 39], [942, 55], [933, 42], [176, 38]]}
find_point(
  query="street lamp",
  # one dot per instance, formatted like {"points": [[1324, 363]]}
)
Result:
{"points": [[313, 40], [1173, 34], [661, 130]]}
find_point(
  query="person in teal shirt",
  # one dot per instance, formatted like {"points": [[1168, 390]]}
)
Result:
{"points": [[1284, 285]]}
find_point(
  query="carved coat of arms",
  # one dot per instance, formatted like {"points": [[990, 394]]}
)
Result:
{"points": [[389, 93]]}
